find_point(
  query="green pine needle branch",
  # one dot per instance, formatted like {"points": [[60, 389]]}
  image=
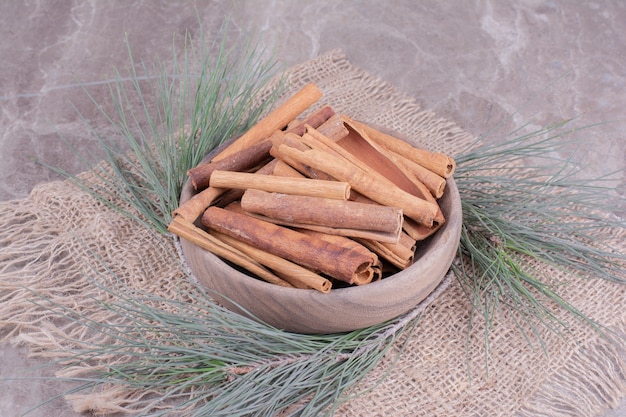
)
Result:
{"points": [[526, 209]]}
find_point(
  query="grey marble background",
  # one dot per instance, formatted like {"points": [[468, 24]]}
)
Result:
{"points": [[481, 64]]}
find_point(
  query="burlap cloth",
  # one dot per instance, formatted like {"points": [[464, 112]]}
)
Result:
{"points": [[50, 238]]}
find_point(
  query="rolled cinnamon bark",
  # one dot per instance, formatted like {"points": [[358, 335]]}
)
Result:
{"points": [[287, 185], [185, 230], [346, 242], [441, 164], [275, 120], [371, 156], [399, 254], [294, 141], [358, 148], [345, 218], [332, 128], [290, 272], [435, 184], [191, 209], [316, 119], [242, 160], [235, 194], [250, 157], [282, 169], [333, 260], [380, 190], [419, 231], [362, 151], [278, 167]]}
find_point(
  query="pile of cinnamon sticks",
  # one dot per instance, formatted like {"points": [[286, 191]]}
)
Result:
{"points": [[316, 202]]}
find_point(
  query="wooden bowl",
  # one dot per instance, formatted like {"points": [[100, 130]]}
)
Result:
{"points": [[343, 309]]}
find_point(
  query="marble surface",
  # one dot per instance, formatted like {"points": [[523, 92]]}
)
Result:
{"points": [[489, 66]]}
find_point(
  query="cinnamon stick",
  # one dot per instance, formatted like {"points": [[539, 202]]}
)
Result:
{"points": [[346, 242], [235, 194], [290, 272], [275, 120], [335, 261], [200, 238], [359, 149], [399, 254], [372, 156], [250, 157], [287, 185], [195, 206], [274, 167], [294, 141], [439, 163], [243, 160], [419, 231], [345, 218], [381, 191], [332, 128], [435, 184], [316, 119], [282, 169], [191, 209]]}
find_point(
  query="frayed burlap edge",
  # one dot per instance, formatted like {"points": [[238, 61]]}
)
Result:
{"points": [[50, 239]]}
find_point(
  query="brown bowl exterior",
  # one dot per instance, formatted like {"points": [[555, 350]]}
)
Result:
{"points": [[343, 309]]}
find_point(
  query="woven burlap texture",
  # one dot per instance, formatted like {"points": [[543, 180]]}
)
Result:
{"points": [[48, 241]]}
